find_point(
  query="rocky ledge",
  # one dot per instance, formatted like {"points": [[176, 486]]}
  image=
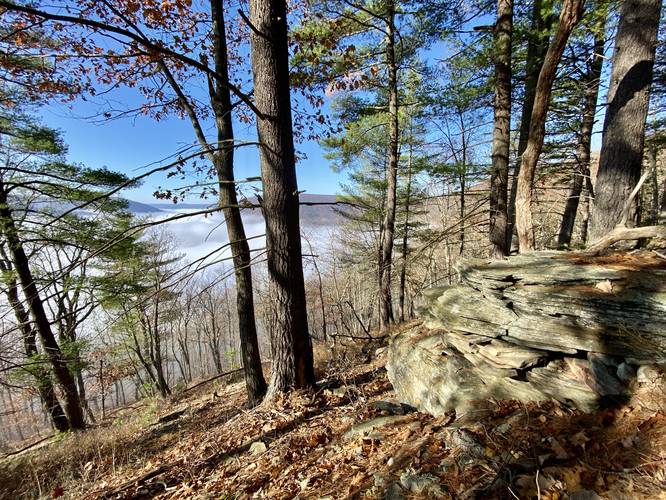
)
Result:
{"points": [[549, 325]]}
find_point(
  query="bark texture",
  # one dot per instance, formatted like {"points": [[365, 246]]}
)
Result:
{"points": [[42, 377], [388, 224], [292, 348], [499, 246], [222, 158], [572, 11], [240, 249], [624, 125], [67, 383], [405, 239], [582, 169], [537, 46]]}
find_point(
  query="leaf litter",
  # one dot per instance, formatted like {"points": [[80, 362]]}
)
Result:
{"points": [[301, 446]]}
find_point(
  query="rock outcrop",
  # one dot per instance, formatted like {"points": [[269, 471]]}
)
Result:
{"points": [[548, 325]]}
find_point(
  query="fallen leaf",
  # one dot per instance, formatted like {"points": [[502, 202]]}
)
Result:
{"points": [[560, 452], [579, 439]]}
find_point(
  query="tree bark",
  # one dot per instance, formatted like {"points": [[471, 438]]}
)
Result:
{"points": [[405, 235], [44, 385], [292, 348], [388, 223], [72, 404], [222, 158], [501, 132], [624, 125], [662, 207], [654, 181], [582, 169], [240, 249], [537, 46], [572, 10]]}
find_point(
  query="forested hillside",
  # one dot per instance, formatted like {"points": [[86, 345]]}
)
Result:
{"points": [[379, 248]]}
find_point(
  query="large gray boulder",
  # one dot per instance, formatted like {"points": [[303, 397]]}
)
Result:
{"points": [[548, 325]]}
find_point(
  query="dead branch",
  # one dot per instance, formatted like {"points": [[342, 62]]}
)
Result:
{"points": [[623, 233]]}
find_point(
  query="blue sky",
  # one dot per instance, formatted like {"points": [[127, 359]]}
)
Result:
{"points": [[129, 145]]}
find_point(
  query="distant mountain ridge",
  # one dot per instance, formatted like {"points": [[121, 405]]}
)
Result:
{"points": [[311, 215]]}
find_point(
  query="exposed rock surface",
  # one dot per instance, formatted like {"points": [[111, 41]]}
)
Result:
{"points": [[535, 327]]}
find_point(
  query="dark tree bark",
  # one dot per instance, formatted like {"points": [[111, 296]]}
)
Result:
{"points": [[588, 196], [388, 223], [72, 404], [661, 219], [624, 125], [405, 237], [43, 382], [572, 11], [582, 168], [292, 348], [240, 250], [537, 45], [499, 245], [654, 181], [222, 157]]}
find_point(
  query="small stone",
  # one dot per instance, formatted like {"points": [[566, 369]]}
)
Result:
{"points": [[375, 436], [503, 428], [584, 495], [648, 374], [447, 465], [370, 425], [467, 442], [417, 483], [394, 492], [390, 407], [258, 447], [390, 462], [626, 373]]}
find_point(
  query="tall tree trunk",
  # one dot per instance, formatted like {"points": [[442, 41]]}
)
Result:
{"points": [[537, 46], [82, 391], [572, 11], [624, 125], [240, 250], [44, 385], [662, 207], [463, 187], [654, 180], [158, 365], [72, 405], [222, 157], [588, 196], [388, 224], [592, 81], [405, 235], [501, 131], [292, 347]]}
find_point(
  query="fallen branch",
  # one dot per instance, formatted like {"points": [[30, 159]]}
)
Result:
{"points": [[623, 233], [31, 445], [220, 375]]}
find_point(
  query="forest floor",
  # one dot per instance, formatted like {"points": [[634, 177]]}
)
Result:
{"points": [[350, 439]]}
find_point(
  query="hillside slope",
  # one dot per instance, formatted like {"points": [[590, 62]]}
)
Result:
{"points": [[348, 439]]}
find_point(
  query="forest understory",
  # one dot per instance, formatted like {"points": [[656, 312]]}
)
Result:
{"points": [[348, 438]]}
